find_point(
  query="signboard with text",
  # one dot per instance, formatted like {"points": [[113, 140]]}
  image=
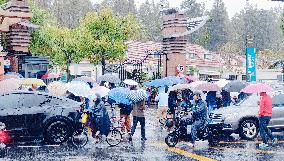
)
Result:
{"points": [[251, 64]]}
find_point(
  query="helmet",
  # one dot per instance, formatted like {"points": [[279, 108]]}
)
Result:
{"points": [[169, 123], [197, 93]]}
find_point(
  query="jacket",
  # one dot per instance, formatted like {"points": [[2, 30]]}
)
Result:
{"points": [[103, 120], [199, 111], [138, 109], [265, 106]]}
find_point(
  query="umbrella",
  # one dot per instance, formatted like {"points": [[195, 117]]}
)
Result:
{"points": [[174, 80], [137, 95], [208, 87], [179, 87], [120, 95], [50, 76], [78, 88], [31, 81], [57, 88], [109, 78], [11, 76], [168, 81], [195, 84], [101, 90], [222, 83], [85, 79], [257, 88], [14, 74], [235, 86], [130, 82], [191, 78], [9, 85]]}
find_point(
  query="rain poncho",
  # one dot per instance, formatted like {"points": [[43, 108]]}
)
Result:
{"points": [[199, 110], [102, 117]]}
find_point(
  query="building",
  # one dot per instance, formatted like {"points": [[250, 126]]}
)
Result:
{"points": [[197, 59]]}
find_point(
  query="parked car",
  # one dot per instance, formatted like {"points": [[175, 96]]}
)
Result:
{"points": [[33, 116], [242, 118]]}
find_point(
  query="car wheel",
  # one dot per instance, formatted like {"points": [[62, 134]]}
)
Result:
{"points": [[58, 132], [248, 129]]}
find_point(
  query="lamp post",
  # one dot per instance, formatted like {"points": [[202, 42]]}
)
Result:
{"points": [[68, 56]]}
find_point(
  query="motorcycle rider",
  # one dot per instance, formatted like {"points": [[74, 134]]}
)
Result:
{"points": [[199, 115]]}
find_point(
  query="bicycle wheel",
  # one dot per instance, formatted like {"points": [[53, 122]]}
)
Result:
{"points": [[79, 139], [114, 137]]}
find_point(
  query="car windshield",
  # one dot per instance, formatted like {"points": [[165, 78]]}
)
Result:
{"points": [[249, 101]]}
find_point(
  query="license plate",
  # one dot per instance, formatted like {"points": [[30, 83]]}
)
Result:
{"points": [[188, 129]]}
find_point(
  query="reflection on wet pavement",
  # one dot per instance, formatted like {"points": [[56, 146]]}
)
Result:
{"points": [[154, 149]]}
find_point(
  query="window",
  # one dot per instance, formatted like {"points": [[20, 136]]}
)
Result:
{"points": [[207, 56], [9, 101], [278, 100], [190, 56], [86, 73]]}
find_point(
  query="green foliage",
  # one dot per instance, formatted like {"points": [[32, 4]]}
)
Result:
{"points": [[108, 34], [3, 1]]}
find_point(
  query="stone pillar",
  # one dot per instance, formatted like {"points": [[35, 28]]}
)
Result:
{"points": [[13, 63], [174, 24]]}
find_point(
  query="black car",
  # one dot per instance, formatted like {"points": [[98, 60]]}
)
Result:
{"points": [[33, 116]]}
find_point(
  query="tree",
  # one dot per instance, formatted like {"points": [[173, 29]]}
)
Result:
{"points": [[150, 20], [62, 45], [120, 7], [109, 32], [68, 13], [218, 26], [194, 9]]}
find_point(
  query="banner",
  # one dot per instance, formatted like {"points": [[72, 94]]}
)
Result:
{"points": [[251, 64]]}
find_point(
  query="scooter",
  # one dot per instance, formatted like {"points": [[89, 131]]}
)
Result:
{"points": [[182, 131]]}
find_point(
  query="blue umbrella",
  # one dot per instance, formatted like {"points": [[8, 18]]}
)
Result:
{"points": [[168, 81], [14, 74], [137, 95], [119, 95], [174, 80]]}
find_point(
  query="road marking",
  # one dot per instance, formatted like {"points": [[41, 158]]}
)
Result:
{"points": [[189, 155], [243, 142], [230, 149]]}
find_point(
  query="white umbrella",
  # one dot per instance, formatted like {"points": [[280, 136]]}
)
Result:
{"points": [[196, 83], [57, 88], [9, 85], [101, 90], [222, 83], [79, 88], [130, 82]]}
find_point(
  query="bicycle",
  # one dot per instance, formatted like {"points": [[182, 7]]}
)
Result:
{"points": [[89, 126]]}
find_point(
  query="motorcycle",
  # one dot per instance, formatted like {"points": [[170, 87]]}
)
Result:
{"points": [[182, 125]]}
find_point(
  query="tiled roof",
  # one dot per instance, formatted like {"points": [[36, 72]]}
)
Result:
{"points": [[138, 51]]}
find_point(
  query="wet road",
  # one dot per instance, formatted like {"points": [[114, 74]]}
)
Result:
{"points": [[154, 149]]}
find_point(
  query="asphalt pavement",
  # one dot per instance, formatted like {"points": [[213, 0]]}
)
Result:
{"points": [[154, 149]]}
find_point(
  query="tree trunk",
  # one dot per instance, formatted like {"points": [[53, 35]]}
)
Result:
{"points": [[103, 65]]}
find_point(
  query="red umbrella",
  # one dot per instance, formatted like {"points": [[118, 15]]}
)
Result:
{"points": [[257, 88]]}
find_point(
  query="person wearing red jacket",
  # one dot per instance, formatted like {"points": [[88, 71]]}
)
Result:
{"points": [[265, 113]]}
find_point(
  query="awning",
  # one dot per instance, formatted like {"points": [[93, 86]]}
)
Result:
{"points": [[209, 73]]}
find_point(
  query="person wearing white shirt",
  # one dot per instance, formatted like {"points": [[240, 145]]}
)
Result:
{"points": [[162, 99]]}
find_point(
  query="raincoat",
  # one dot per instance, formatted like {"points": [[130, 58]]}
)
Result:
{"points": [[102, 117]]}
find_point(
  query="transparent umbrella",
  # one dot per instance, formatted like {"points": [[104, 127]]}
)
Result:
{"points": [[9, 85]]}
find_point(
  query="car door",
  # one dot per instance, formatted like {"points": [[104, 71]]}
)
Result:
{"points": [[9, 104], [277, 119], [33, 110]]}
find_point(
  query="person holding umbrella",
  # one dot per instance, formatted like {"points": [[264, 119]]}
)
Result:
{"points": [[265, 113], [138, 116]]}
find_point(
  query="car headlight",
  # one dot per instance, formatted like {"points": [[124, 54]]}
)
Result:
{"points": [[231, 116]]}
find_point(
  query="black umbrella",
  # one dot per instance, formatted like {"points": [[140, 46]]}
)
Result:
{"points": [[111, 78], [235, 86]]}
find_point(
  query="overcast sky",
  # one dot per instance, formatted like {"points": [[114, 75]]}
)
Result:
{"points": [[233, 6]]}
